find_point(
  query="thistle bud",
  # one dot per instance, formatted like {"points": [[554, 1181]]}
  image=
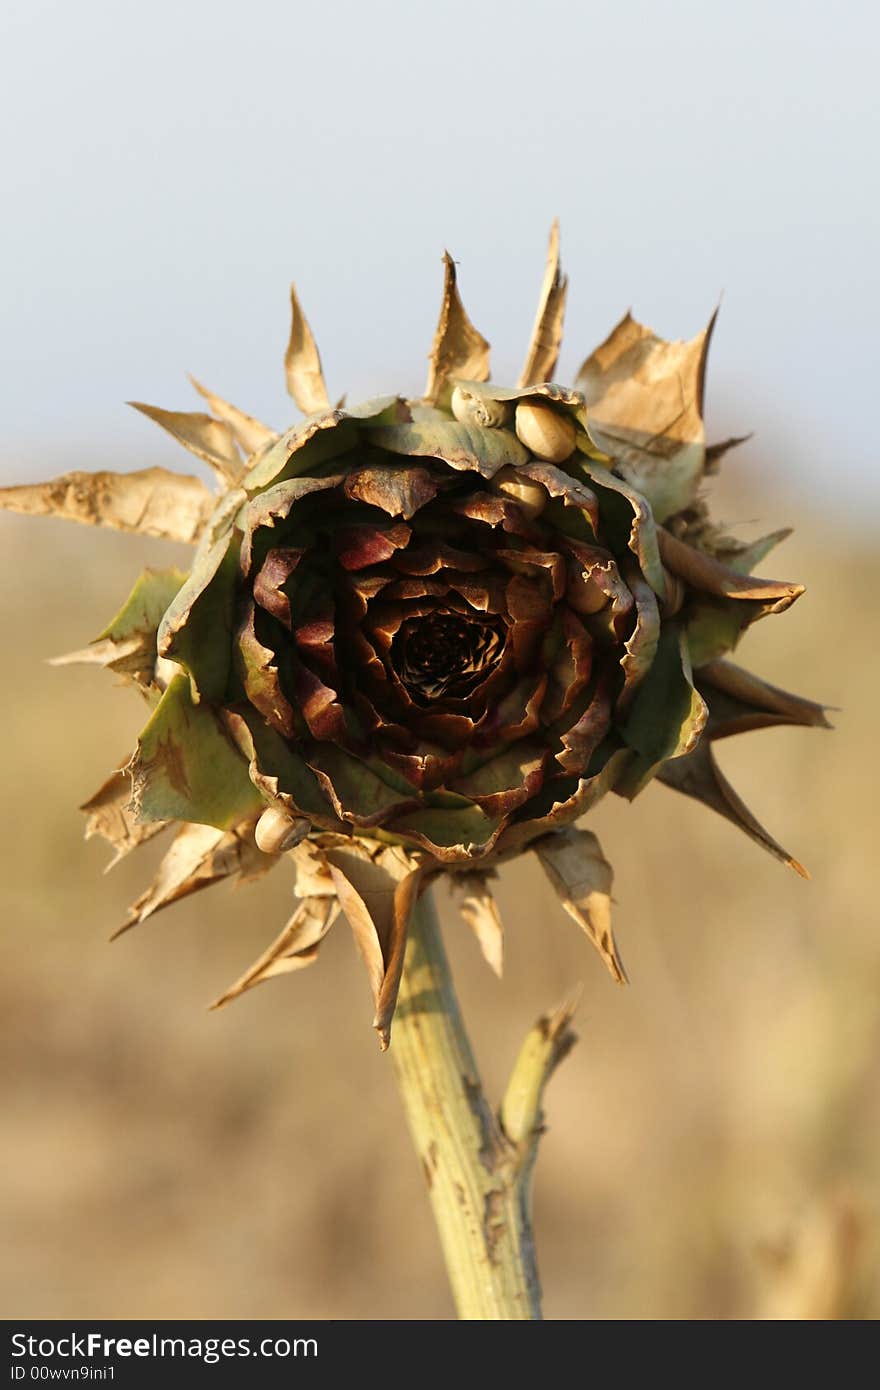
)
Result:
{"points": [[375, 655]]}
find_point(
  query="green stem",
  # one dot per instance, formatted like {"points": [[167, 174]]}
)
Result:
{"points": [[477, 1167]]}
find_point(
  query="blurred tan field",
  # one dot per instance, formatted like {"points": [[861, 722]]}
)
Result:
{"points": [[713, 1145]]}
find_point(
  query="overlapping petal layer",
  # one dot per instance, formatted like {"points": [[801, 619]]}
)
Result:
{"points": [[400, 644]]}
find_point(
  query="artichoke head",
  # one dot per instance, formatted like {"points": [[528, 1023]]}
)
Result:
{"points": [[422, 636]]}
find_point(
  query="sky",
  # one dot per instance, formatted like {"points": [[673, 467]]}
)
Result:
{"points": [[168, 168]]}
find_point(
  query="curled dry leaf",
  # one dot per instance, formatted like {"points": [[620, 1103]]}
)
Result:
{"points": [[113, 656], [251, 434], [699, 776], [302, 363], [151, 502], [210, 440], [313, 876], [295, 947], [645, 408], [543, 350], [458, 349], [715, 452], [127, 645], [573, 861], [199, 856], [745, 556], [738, 702], [108, 814], [708, 575], [377, 888], [480, 911]]}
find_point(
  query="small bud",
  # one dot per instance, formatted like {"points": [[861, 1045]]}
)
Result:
{"points": [[469, 409], [276, 831], [529, 496], [546, 433]]}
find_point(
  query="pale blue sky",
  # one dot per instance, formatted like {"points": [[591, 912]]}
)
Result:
{"points": [[168, 167]]}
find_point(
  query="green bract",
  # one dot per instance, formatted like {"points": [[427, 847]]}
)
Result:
{"points": [[423, 636]]}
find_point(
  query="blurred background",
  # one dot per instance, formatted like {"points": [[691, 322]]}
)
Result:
{"points": [[714, 1141]]}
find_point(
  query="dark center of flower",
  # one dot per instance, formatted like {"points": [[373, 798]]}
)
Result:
{"points": [[445, 653]]}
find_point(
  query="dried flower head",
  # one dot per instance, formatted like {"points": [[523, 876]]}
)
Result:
{"points": [[422, 636]]}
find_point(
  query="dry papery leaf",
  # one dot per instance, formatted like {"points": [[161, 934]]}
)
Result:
{"points": [[580, 873], [295, 947], [151, 502], [645, 408], [302, 363], [109, 654], [480, 911], [199, 856], [543, 352], [377, 889], [297, 943], [458, 349], [699, 776], [109, 815], [251, 434], [710, 576], [210, 440]]}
